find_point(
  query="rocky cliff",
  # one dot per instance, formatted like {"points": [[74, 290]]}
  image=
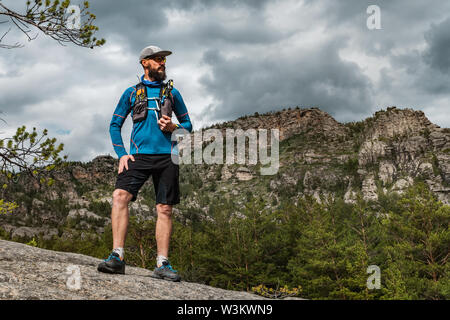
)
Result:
{"points": [[382, 154], [27, 272], [319, 156]]}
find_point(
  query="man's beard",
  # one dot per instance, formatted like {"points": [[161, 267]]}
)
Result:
{"points": [[158, 75]]}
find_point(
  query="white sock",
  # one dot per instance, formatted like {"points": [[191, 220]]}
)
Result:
{"points": [[119, 251], [159, 260]]}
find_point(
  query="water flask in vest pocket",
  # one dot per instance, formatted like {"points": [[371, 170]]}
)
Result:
{"points": [[166, 108], [167, 99], [140, 106]]}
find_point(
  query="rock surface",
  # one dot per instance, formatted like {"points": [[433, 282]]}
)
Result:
{"points": [[28, 272]]}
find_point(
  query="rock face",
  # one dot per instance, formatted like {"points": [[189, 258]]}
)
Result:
{"points": [[393, 146], [404, 144], [289, 122], [27, 272]]}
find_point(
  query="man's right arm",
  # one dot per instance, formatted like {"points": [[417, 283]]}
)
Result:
{"points": [[120, 114]]}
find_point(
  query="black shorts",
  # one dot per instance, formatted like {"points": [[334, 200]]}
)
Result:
{"points": [[164, 172]]}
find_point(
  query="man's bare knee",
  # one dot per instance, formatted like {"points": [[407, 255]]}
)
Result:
{"points": [[164, 210], [121, 197]]}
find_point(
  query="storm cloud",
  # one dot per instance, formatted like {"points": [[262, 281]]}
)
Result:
{"points": [[280, 80]]}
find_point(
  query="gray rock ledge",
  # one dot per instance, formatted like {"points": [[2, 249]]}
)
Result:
{"points": [[28, 272]]}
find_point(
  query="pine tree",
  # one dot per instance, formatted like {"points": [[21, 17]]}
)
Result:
{"points": [[140, 244], [333, 250], [418, 248]]}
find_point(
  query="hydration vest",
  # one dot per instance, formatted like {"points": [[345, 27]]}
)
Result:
{"points": [[164, 103]]}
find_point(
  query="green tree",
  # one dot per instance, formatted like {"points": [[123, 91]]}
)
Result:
{"points": [[189, 243], [333, 250], [365, 233], [140, 245], [418, 249], [30, 154]]}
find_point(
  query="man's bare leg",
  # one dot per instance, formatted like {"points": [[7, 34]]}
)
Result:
{"points": [[163, 233], [119, 217], [163, 229], [119, 222]]}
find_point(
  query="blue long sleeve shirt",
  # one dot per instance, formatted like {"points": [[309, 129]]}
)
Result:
{"points": [[146, 136]]}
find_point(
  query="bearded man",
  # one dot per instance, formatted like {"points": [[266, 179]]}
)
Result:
{"points": [[151, 150]]}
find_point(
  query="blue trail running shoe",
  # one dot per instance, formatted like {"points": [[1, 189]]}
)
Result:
{"points": [[112, 265], [166, 272]]}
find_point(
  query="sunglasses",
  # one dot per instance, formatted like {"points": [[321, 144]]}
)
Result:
{"points": [[158, 59]]}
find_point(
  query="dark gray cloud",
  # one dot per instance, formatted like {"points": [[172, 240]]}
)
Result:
{"points": [[252, 31], [427, 70], [315, 78], [133, 22], [407, 12], [437, 54], [140, 23], [341, 12], [403, 21], [205, 4]]}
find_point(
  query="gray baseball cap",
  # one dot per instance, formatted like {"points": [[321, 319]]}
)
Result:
{"points": [[153, 51]]}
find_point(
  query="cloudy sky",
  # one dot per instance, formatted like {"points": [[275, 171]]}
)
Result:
{"points": [[231, 58]]}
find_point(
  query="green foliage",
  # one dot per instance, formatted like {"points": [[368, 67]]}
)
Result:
{"points": [[351, 166], [32, 243], [333, 253], [277, 293], [435, 163], [324, 249], [357, 130], [7, 207], [28, 153], [141, 243], [102, 208], [419, 251], [72, 241]]}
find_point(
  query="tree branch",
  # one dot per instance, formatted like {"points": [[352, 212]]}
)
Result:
{"points": [[52, 21]]}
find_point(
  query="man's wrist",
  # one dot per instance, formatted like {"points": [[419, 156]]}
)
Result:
{"points": [[174, 127]]}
